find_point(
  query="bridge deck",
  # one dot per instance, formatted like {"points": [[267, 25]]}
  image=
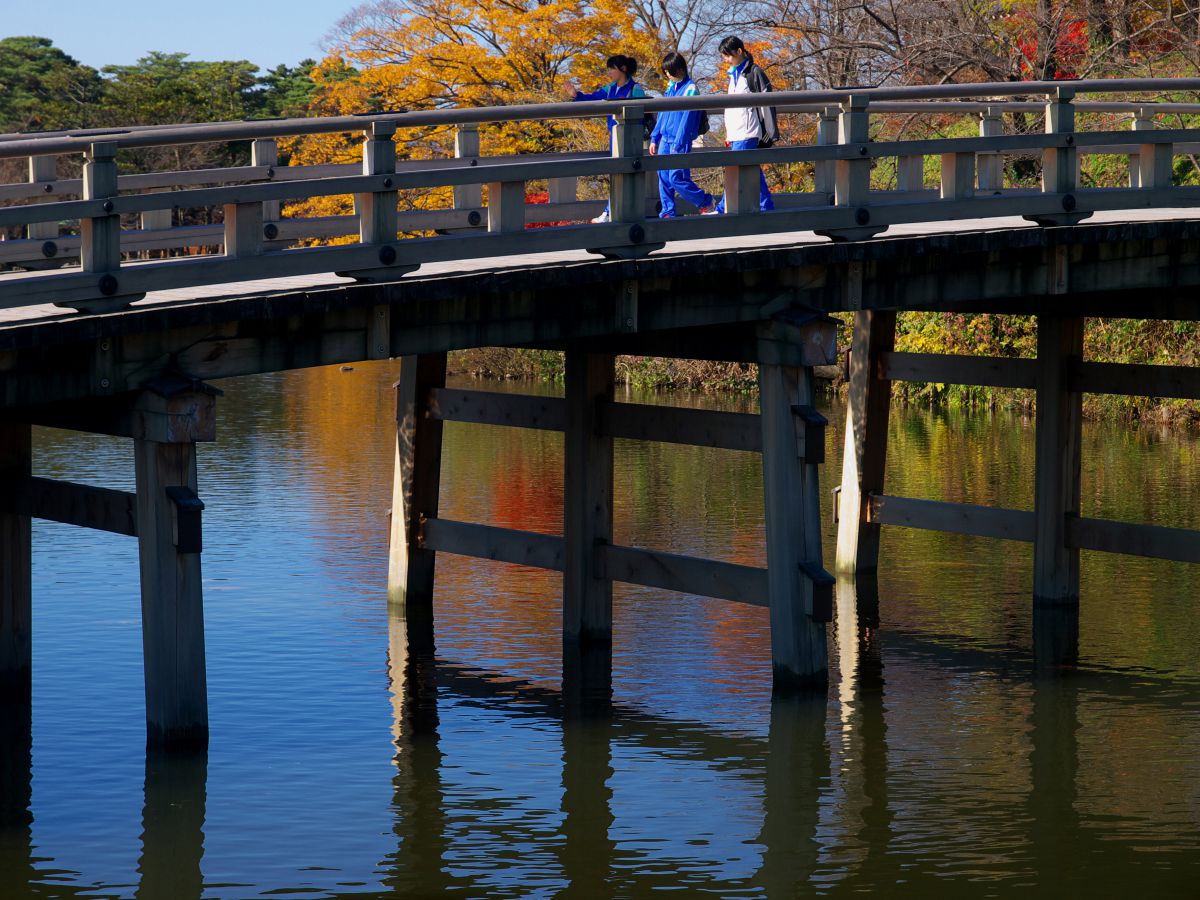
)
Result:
{"points": [[46, 313]]}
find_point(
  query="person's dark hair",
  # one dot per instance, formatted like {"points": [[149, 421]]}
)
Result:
{"points": [[674, 64], [732, 45], [626, 64]]}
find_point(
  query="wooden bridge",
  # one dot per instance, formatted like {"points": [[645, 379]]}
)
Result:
{"points": [[115, 314]]}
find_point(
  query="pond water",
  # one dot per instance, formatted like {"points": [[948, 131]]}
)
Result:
{"points": [[349, 758]]}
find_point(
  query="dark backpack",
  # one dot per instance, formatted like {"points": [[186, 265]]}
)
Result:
{"points": [[703, 129]]}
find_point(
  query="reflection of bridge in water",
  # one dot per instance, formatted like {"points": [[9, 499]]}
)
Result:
{"points": [[739, 287], [835, 797]]}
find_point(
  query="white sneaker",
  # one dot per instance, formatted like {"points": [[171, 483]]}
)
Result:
{"points": [[602, 218]]}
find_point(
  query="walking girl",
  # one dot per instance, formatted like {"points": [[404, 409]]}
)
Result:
{"points": [[621, 70], [674, 132], [749, 127]]}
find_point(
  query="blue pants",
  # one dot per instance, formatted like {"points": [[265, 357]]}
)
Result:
{"points": [[672, 181], [764, 194]]}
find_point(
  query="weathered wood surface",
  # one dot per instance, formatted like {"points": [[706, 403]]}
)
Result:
{"points": [[865, 449], [1058, 439], [416, 479], [793, 536], [1141, 269], [524, 548], [172, 605], [957, 518], [83, 505], [1135, 539], [686, 574], [587, 498], [16, 580]]}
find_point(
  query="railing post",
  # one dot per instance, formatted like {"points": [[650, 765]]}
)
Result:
{"points": [[377, 217], [1060, 164], [265, 152], [377, 220], [101, 251], [852, 171], [989, 164], [243, 229], [824, 176], [16, 608], [43, 170], [627, 193], [466, 146]]}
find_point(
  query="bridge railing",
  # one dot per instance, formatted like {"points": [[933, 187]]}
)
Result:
{"points": [[115, 219]]}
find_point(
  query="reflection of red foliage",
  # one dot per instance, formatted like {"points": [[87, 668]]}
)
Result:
{"points": [[541, 197]]}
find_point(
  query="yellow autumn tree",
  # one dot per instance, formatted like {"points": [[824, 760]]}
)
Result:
{"points": [[434, 54]]}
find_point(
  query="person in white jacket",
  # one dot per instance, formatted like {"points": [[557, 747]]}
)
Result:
{"points": [[747, 127]]}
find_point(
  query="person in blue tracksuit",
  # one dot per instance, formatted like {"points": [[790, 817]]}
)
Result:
{"points": [[674, 132], [621, 70]]}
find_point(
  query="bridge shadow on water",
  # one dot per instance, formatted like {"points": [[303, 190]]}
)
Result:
{"points": [[817, 753]]}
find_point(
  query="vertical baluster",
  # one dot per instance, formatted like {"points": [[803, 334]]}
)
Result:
{"points": [[377, 217], [910, 173], [1143, 120], [958, 176], [1155, 162], [824, 176], [43, 170], [991, 164], [506, 206]]}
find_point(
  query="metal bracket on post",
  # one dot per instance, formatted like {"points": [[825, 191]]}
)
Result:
{"points": [[822, 590], [810, 434], [852, 172], [1060, 164], [187, 507], [627, 191]]}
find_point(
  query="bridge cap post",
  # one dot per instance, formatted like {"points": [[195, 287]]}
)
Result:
{"points": [[854, 124], [101, 151], [381, 131]]}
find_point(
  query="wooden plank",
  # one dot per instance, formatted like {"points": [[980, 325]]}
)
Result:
{"points": [[172, 603], [680, 425], [522, 548], [1058, 439], [75, 504], [938, 368], [16, 579], [416, 478], [587, 498], [865, 450], [1136, 380], [188, 416], [495, 408], [686, 574], [1132, 539], [955, 518], [791, 504]]}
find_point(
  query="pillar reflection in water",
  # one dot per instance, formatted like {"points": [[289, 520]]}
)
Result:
{"points": [[417, 867], [797, 768], [864, 748], [587, 720], [16, 837], [1055, 636], [173, 826]]}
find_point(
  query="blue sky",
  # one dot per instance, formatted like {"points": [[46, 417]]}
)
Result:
{"points": [[121, 31]]}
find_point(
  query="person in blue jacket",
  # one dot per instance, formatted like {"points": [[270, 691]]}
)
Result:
{"points": [[674, 132], [621, 70]]}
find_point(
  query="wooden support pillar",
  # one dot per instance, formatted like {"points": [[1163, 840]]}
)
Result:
{"points": [[15, 572], [415, 482], [587, 498], [792, 512], [865, 452], [172, 607], [1056, 498]]}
